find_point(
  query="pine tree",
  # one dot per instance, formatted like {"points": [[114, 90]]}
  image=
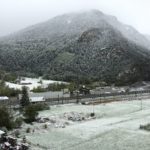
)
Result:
{"points": [[25, 97]]}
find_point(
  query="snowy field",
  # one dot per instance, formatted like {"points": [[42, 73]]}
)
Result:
{"points": [[116, 127], [34, 83]]}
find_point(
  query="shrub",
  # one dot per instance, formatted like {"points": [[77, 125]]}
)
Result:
{"points": [[30, 113], [145, 127], [40, 107], [6, 91], [92, 114], [6, 119], [18, 122], [56, 86], [45, 126], [39, 90], [28, 130], [17, 133]]}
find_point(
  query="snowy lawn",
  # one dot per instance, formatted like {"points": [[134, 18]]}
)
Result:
{"points": [[116, 127], [34, 83]]}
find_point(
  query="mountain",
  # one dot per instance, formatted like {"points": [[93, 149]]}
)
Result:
{"points": [[74, 24], [81, 46], [148, 37]]}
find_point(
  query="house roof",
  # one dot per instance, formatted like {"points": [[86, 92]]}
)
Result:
{"points": [[4, 98], [37, 99], [7, 144], [1, 132], [49, 94]]}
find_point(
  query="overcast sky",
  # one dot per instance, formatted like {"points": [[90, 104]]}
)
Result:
{"points": [[18, 14]]}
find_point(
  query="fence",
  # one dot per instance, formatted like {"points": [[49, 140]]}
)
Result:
{"points": [[135, 95]]}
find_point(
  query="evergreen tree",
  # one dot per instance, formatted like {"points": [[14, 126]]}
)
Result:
{"points": [[25, 97]]}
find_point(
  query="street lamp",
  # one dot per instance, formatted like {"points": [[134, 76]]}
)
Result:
{"points": [[141, 104]]}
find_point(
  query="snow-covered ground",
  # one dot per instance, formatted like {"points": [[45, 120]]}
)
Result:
{"points": [[34, 83], [116, 127]]}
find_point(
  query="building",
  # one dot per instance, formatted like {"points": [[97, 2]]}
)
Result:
{"points": [[49, 94], [1, 133], [35, 100], [84, 90], [4, 99]]}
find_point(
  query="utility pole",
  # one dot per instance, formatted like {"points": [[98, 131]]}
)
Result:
{"points": [[77, 101], [141, 104], [100, 96], [93, 112], [58, 98]]}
